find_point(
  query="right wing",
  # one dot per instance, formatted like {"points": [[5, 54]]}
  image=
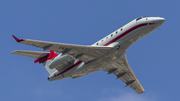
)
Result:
{"points": [[84, 53], [124, 72]]}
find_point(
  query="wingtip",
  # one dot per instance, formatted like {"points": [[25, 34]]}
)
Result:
{"points": [[13, 52], [18, 40]]}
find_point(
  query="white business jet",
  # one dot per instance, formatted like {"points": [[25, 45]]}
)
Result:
{"points": [[107, 54]]}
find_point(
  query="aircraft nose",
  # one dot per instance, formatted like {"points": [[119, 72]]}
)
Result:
{"points": [[160, 20]]}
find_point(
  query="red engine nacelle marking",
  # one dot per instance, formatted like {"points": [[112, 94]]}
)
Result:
{"points": [[49, 56]]}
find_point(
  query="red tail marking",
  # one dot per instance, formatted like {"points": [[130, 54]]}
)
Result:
{"points": [[18, 40], [49, 56]]}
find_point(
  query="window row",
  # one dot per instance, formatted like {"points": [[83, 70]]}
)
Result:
{"points": [[111, 36]]}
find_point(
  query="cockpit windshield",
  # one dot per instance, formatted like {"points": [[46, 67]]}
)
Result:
{"points": [[140, 18]]}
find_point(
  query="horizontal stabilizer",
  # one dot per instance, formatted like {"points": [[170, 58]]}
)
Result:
{"points": [[33, 54]]}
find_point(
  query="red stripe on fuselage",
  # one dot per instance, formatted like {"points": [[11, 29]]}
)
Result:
{"points": [[126, 32]]}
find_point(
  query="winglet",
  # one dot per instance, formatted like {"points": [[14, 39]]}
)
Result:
{"points": [[18, 40]]}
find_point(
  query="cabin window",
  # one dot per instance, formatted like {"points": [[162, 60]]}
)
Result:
{"points": [[116, 32], [102, 40], [106, 37], [111, 35], [97, 44], [121, 29]]}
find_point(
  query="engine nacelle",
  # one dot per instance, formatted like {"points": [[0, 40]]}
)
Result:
{"points": [[60, 60]]}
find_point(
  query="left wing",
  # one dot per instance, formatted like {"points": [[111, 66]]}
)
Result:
{"points": [[124, 72], [84, 53]]}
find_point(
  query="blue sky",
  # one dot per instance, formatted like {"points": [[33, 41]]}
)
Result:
{"points": [[154, 59]]}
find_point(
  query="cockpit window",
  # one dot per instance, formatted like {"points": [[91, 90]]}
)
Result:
{"points": [[140, 18]]}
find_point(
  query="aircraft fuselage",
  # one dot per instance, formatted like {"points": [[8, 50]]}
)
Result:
{"points": [[121, 39]]}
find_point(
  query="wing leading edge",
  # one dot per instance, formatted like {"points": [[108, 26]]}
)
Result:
{"points": [[124, 72]]}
